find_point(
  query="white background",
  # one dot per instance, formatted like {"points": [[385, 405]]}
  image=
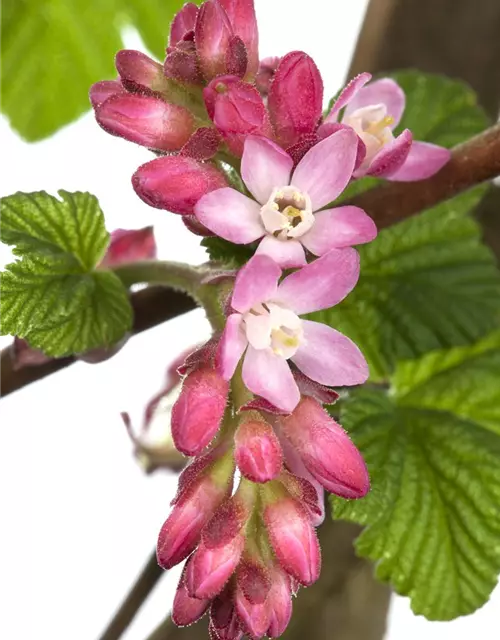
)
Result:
{"points": [[79, 517]]}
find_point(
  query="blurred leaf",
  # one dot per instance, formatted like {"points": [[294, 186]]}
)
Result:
{"points": [[53, 51], [432, 447], [52, 297], [426, 283]]}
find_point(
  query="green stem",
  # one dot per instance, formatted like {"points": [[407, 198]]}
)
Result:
{"points": [[176, 275]]}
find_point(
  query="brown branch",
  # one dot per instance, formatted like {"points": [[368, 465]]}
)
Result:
{"points": [[472, 162], [136, 597]]}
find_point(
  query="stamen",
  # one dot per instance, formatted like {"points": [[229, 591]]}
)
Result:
{"points": [[377, 127]]}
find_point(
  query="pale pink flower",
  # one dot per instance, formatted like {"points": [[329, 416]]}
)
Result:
{"points": [[267, 327], [286, 207], [373, 111]]}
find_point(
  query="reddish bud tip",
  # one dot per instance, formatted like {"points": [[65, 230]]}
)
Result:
{"points": [[183, 23], [293, 538], [139, 72], [326, 450], [212, 34], [197, 414], [187, 610], [129, 245], [241, 14], [210, 569], [101, 91], [146, 120], [176, 183], [257, 451], [295, 98]]}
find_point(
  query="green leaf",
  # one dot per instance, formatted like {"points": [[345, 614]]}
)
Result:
{"points": [[38, 223], [426, 283], [432, 447], [51, 54], [229, 254], [52, 297], [438, 109]]}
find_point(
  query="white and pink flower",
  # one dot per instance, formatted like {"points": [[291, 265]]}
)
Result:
{"points": [[373, 110], [268, 329], [286, 210]]}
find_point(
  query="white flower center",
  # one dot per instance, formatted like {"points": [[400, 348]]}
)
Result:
{"points": [[269, 325], [288, 213], [372, 124]]}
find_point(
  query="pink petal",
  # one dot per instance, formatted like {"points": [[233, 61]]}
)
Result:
{"points": [[269, 376], [231, 346], [286, 253], [264, 166], [176, 183], [322, 283], [423, 161], [230, 215], [384, 91], [256, 282], [391, 157], [326, 169], [340, 227], [330, 358], [347, 94]]}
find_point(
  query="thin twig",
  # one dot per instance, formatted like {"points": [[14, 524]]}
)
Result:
{"points": [[143, 586]]}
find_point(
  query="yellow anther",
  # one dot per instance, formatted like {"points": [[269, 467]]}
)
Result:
{"points": [[376, 128], [291, 212]]}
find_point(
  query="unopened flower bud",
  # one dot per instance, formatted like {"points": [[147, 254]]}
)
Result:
{"points": [[212, 34], [326, 450], [139, 72], [237, 110], [291, 534], [197, 414], [257, 450], [129, 245], [101, 91], [241, 14], [279, 602], [176, 183], [295, 98], [196, 503], [187, 610], [265, 75], [146, 120]]}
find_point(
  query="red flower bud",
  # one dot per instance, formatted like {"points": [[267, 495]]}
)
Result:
{"points": [[182, 63], [224, 621], [326, 450], [187, 610], [183, 23], [201, 492], [291, 535], [295, 98], [176, 183], [129, 245], [197, 414], [257, 451], [210, 569], [237, 110], [146, 120], [241, 14], [101, 91], [255, 618], [212, 34], [279, 602], [139, 72]]}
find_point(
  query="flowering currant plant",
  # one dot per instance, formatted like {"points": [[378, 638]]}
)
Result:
{"points": [[256, 167]]}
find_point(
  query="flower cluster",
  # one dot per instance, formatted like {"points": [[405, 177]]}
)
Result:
{"points": [[245, 153]]}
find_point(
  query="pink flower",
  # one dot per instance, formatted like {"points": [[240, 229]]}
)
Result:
{"points": [[326, 450], [267, 326], [373, 111], [284, 203], [237, 110], [295, 98], [176, 183], [146, 120]]}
